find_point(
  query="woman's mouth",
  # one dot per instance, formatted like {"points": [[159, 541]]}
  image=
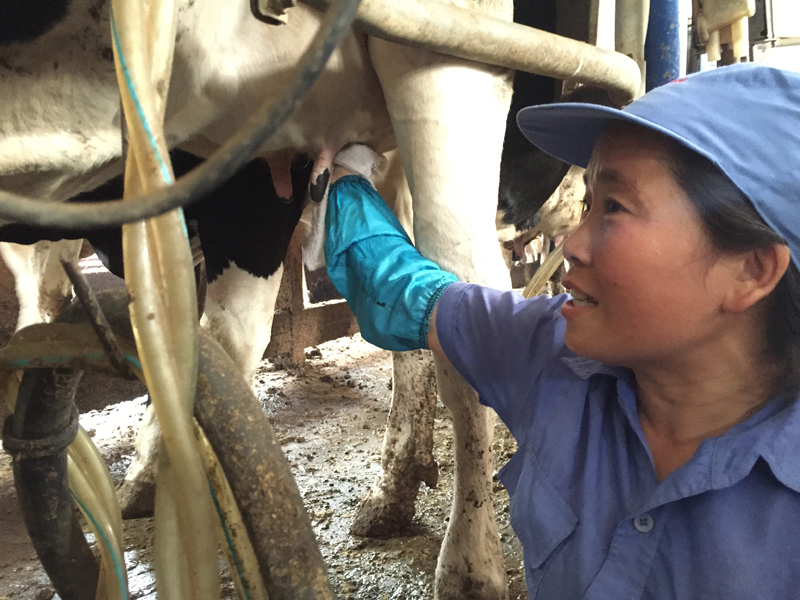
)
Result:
{"points": [[579, 299]]}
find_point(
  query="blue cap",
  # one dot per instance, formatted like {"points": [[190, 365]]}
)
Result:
{"points": [[744, 118]]}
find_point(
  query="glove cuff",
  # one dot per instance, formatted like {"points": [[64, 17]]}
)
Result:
{"points": [[426, 319], [359, 158]]}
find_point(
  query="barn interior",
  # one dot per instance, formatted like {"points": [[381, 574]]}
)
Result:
{"points": [[327, 393]]}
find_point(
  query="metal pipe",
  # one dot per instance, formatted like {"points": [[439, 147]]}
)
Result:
{"points": [[469, 34], [662, 46]]}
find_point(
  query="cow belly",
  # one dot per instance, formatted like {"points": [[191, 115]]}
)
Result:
{"points": [[60, 109], [345, 104]]}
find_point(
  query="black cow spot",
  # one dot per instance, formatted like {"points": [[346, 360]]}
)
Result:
{"points": [[319, 186], [25, 20], [95, 11]]}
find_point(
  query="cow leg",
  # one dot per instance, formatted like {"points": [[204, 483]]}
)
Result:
{"points": [[407, 453], [239, 310], [449, 117], [43, 288], [245, 233], [238, 313], [137, 492]]}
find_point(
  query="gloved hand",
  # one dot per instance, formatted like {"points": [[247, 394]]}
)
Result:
{"points": [[389, 285], [360, 159]]}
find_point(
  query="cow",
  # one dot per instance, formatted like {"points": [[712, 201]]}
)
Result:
{"points": [[60, 136]]}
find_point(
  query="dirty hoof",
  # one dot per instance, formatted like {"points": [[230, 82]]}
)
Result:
{"points": [[462, 586], [137, 500], [428, 473], [378, 518]]}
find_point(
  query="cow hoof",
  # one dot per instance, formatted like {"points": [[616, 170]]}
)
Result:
{"points": [[137, 499], [428, 473], [457, 585], [378, 518]]}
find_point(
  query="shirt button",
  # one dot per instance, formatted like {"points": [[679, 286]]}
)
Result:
{"points": [[643, 523]]}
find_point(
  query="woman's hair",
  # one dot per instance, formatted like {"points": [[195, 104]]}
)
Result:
{"points": [[735, 226]]}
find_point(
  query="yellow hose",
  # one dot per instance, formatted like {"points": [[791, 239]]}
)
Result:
{"points": [[242, 561], [160, 278], [544, 272], [113, 581]]}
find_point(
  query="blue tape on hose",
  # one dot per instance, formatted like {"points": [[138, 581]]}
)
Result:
{"points": [[107, 543], [129, 84]]}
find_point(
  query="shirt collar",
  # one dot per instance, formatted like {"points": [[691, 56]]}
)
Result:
{"points": [[773, 433], [586, 367]]}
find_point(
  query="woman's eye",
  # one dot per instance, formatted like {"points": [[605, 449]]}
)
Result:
{"points": [[611, 206], [586, 206]]}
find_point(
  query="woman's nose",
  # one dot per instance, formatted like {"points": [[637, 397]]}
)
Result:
{"points": [[576, 247]]}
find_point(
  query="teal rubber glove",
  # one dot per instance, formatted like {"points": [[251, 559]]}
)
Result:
{"points": [[391, 288]]}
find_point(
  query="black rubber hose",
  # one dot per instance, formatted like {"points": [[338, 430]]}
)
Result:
{"points": [[211, 174], [44, 423], [279, 528]]}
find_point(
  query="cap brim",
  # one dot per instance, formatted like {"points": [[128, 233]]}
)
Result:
{"points": [[569, 131]]}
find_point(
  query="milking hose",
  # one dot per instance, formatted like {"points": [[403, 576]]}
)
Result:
{"points": [[211, 174]]}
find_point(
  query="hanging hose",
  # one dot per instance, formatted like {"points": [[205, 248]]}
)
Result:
{"points": [[163, 308], [212, 173], [278, 525], [45, 422]]}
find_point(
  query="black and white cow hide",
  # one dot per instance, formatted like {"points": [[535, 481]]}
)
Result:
{"points": [[244, 229]]}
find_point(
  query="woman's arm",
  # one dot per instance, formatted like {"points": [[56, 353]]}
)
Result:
{"points": [[391, 288]]}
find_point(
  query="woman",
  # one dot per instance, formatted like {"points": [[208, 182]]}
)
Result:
{"points": [[655, 412]]}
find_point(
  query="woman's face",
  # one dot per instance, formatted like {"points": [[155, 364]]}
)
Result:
{"points": [[646, 284]]}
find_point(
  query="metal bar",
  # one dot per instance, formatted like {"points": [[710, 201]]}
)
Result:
{"points": [[471, 35], [630, 30], [662, 46]]}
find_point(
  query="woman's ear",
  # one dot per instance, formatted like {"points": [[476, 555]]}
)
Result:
{"points": [[758, 273]]}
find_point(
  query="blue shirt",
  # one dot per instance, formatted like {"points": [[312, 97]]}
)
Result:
{"points": [[593, 519]]}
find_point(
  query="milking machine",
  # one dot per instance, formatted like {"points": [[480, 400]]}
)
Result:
{"points": [[219, 460], [262, 527]]}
